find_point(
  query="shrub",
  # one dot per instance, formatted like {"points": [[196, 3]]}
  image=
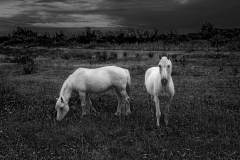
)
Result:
{"points": [[138, 56], [28, 63], [7, 59], [87, 55], [125, 55], [113, 56], [90, 46], [101, 56], [65, 56], [97, 55], [81, 55], [150, 54], [104, 56], [174, 56]]}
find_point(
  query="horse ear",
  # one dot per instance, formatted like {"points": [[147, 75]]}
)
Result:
{"points": [[62, 100]]}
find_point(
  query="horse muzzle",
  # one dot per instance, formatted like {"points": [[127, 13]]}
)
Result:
{"points": [[164, 81]]}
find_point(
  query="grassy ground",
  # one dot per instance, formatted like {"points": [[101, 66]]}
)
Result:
{"points": [[204, 116]]}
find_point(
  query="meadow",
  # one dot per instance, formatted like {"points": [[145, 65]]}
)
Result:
{"points": [[204, 117]]}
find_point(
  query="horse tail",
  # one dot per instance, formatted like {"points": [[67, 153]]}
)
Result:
{"points": [[128, 82]]}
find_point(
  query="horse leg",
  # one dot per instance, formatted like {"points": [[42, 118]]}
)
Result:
{"points": [[127, 102], [83, 103], [158, 112], [118, 112], [166, 110], [150, 98], [89, 102]]}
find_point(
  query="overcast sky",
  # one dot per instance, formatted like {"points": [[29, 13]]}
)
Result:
{"points": [[69, 15]]}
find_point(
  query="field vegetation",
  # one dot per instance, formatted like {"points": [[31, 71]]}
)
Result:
{"points": [[207, 38], [204, 116]]}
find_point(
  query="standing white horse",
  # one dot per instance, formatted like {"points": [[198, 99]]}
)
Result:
{"points": [[87, 81], [160, 86]]}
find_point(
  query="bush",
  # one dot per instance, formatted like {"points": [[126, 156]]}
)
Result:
{"points": [[90, 46], [113, 56], [138, 56], [7, 59], [28, 63], [150, 55], [125, 55], [65, 56], [86, 55], [97, 55], [81, 55], [101, 56], [104, 56], [174, 56]]}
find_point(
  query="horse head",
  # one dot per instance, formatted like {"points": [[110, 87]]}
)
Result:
{"points": [[62, 108], [165, 69]]}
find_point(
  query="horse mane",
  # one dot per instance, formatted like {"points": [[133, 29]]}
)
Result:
{"points": [[65, 86]]}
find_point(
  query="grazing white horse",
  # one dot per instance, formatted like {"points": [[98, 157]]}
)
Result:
{"points": [[92, 81], [160, 86]]}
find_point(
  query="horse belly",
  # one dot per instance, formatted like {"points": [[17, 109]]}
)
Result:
{"points": [[164, 97], [97, 89], [165, 94], [98, 84]]}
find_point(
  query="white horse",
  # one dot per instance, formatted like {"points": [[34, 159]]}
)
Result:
{"points": [[87, 81], [159, 85]]}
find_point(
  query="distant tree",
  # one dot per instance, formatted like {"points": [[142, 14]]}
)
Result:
{"points": [[207, 30], [45, 39], [22, 36], [218, 41], [173, 38], [235, 43], [60, 39], [4, 38]]}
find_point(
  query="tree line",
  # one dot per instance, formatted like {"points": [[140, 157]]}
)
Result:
{"points": [[217, 37]]}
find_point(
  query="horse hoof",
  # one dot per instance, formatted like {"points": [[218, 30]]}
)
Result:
{"points": [[117, 113]]}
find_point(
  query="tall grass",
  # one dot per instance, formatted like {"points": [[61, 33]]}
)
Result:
{"points": [[204, 117]]}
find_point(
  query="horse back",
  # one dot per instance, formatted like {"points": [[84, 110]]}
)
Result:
{"points": [[100, 79], [118, 76]]}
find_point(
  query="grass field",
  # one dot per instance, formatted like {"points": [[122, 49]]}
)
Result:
{"points": [[204, 117]]}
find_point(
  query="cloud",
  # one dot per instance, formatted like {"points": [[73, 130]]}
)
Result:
{"points": [[8, 9], [162, 14], [78, 21]]}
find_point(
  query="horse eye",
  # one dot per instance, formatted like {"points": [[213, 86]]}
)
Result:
{"points": [[160, 66], [168, 66]]}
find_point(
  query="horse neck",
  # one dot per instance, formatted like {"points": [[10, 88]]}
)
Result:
{"points": [[66, 90]]}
